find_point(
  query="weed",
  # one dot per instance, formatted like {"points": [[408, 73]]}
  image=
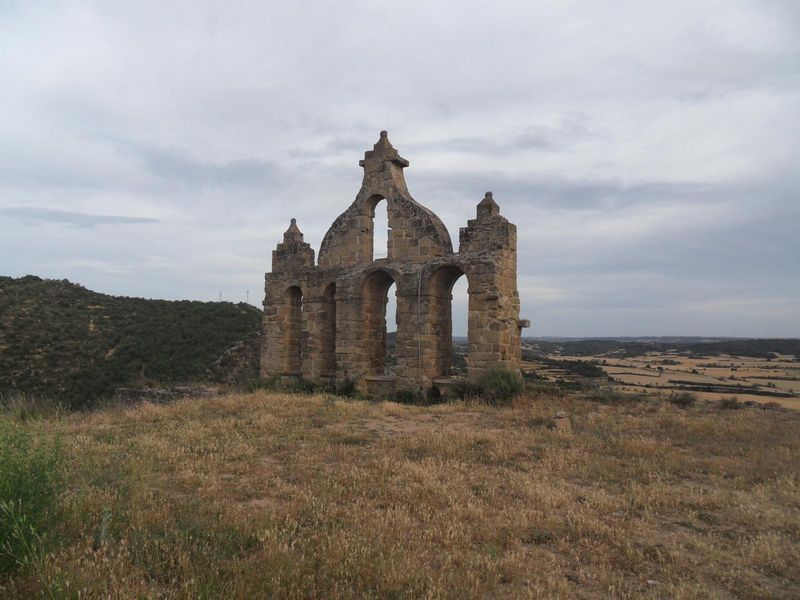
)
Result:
{"points": [[466, 390], [26, 407], [499, 386], [406, 396], [730, 403], [31, 480], [682, 399], [610, 395], [347, 388], [261, 383]]}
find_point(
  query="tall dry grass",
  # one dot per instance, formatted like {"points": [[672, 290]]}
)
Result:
{"points": [[271, 495]]}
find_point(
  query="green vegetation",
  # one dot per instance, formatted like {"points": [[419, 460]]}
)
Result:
{"points": [[499, 386], [682, 399], [60, 340], [579, 368], [31, 481], [730, 403]]}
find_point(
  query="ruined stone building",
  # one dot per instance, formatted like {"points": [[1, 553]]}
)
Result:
{"points": [[325, 320]]}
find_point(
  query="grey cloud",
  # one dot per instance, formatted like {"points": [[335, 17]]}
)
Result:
{"points": [[570, 131], [564, 194], [177, 165], [37, 216], [646, 151]]}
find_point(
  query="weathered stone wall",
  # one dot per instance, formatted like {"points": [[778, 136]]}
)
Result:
{"points": [[328, 322]]}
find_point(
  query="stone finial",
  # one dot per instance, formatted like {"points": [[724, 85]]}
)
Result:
{"points": [[293, 234], [488, 207], [382, 151]]}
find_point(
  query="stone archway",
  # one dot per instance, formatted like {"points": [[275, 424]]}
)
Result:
{"points": [[380, 230], [438, 328], [328, 332], [291, 315], [375, 290]]}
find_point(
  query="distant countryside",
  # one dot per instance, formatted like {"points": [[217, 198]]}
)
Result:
{"points": [[749, 370]]}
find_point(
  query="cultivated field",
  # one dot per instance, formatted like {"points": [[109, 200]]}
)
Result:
{"points": [[709, 378], [289, 496]]}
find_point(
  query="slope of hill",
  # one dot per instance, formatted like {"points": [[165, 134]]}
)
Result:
{"points": [[58, 339]]}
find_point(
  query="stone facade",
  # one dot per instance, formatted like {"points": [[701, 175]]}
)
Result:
{"points": [[326, 322]]}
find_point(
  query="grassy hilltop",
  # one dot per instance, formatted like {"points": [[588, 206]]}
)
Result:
{"points": [[60, 341], [275, 495]]}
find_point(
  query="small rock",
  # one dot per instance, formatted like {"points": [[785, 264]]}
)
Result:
{"points": [[652, 582], [562, 422]]}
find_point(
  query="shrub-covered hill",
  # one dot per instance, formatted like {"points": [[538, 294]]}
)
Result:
{"points": [[60, 340]]}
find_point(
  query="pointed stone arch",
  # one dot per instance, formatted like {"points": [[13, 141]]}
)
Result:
{"points": [[438, 328], [292, 331]]}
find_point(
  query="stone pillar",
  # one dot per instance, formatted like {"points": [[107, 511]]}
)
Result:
{"points": [[408, 345], [284, 323], [494, 301]]}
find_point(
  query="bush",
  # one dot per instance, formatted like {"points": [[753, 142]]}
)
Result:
{"points": [[26, 407], [406, 396], [610, 395], [682, 399], [347, 389], [499, 385], [731, 403], [31, 480], [467, 390]]}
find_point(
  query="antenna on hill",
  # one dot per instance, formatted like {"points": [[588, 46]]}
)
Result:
{"points": [[220, 295], [247, 296]]}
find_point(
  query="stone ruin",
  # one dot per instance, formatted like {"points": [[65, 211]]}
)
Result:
{"points": [[325, 321]]}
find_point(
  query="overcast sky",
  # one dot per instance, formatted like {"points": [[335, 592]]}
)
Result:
{"points": [[649, 152]]}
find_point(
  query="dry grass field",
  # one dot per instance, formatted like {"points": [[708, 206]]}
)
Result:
{"points": [[278, 495], [746, 378]]}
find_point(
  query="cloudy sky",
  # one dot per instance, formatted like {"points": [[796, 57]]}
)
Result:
{"points": [[649, 152]]}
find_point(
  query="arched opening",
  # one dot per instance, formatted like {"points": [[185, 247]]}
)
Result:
{"points": [[380, 227], [292, 319], [448, 330], [328, 328], [376, 296], [391, 328], [459, 309]]}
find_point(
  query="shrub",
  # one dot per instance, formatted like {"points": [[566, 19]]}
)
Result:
{"points": [[730, 403], [682, 399], [610, 395], [499, 385], [26, 407], [303, 386], [467, 390], [407, 396], [31, 480], [606, 395], [347, 389], [261, 383]]}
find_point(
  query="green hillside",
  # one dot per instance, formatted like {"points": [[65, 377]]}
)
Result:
{"points": [[62, 341]]}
